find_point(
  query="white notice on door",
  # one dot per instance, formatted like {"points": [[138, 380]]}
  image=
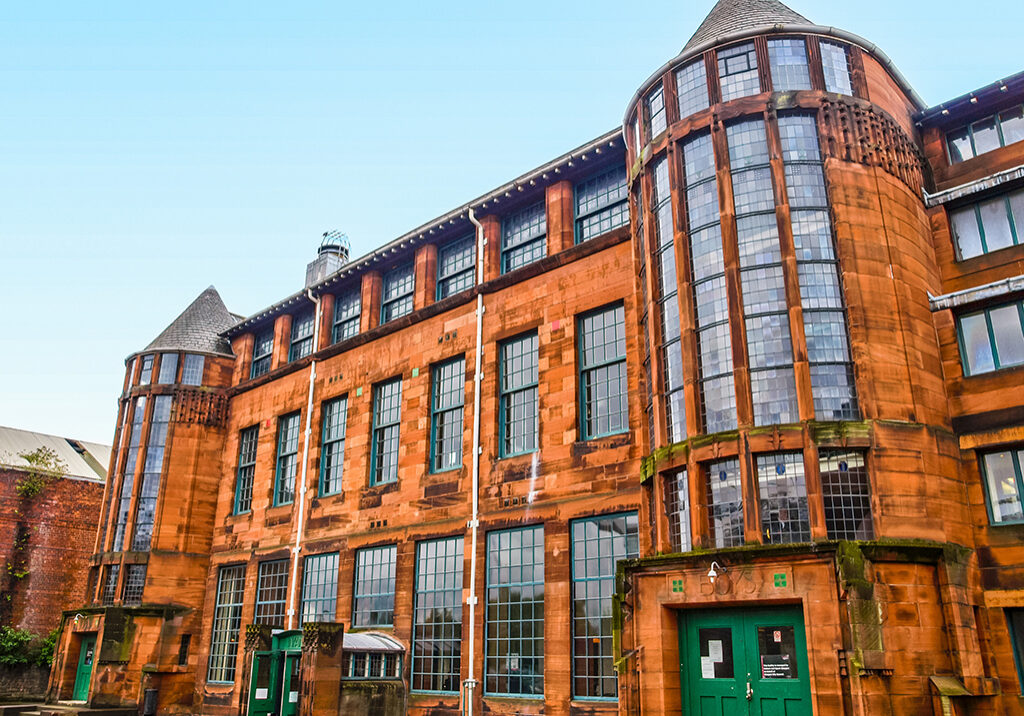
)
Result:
{"points": [[293, 697], [261, 693], [715, 650], [707, 668]]}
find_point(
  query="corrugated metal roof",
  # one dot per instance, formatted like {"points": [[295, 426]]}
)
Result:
{"points": [[370, 641], [87, 461]]}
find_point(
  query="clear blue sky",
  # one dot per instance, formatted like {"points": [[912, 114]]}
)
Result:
{"points": [[148, 150]]}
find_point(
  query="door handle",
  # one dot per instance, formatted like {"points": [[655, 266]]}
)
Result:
{"points": [[750, 692]]}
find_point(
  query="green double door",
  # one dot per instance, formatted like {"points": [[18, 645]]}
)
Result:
{"points": [[743, 662], [274, 688]]}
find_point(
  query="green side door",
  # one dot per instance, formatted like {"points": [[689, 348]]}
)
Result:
{"points": [[290, 684], [86, 656], [264, 687], [744, 662]]}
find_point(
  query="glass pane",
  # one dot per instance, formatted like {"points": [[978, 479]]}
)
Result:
{"points": [[788, 60], [1002, 487], [1007, 331], [1017, 211], [986, 138], [976, 346], [1012, 124], [965, 229], [959, 146], [996, 224], [777, 652], [716, 660]]}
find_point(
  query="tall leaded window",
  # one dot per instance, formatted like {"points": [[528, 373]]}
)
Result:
{"points": [[109, 594], [518, 395], [146, 372], [437, 616], [604, 409], [227, 622], [847, 495], [692, 89], [989, 225], [192, 370], [149, 490], [677, 507], [272, 593], [725, 503], [766, 313], [835, 63], [168, 368], [828, 344], [654, 112], [396, 298], [783, 491], [319, 587], [667, 287], [347, 307], [446, 406], [287, 459], [332, 445], [787, 59], [718, 398], [986, 135], [262, 352], [301, 344], [992, 339], [373, 599], [1004, 484], [134, 583], [524, 237], [638, 201], [514, 662], [247, 440], [598, 543], [387, 417], [128, 473], [737, 71], [602, 204], [456, 267]]}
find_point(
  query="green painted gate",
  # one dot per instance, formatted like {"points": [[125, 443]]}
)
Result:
{"points": [[86, 656], [274, 683], [742, 662]]}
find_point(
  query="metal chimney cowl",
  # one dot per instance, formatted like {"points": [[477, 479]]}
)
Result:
{"points": [[331, 256]]}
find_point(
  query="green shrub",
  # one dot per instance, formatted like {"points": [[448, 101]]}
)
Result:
{"points": [[19, 647]]}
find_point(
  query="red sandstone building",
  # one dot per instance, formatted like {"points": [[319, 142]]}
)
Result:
{"points": [[720, 413]]}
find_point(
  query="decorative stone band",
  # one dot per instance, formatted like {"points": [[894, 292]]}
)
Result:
{"points": [[862, 134], [200, 406]]}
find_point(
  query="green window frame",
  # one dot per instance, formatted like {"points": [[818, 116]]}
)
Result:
{"points": [[1002, 473], [287, 459], [514, 615], [387, 418], [518, 395], [373, 594], [271, 593], [603, 392], [396, 296], [456, 267], [602, 203], [347, 310], [227, 623], [968, 223], [988, 345], [247, 441], [262, 353], [448, 398], [334, 418], [1015, 624], [986, 135], [524, 237], [319, 588], [598, 544], [437, 616], [303, 328]]}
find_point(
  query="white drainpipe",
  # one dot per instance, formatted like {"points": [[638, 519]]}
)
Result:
{"points": [[469, 686], [297, 549]]}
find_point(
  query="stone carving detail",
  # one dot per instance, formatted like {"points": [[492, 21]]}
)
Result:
{"points": [[200, 407], [257, 637], [321, 637]]}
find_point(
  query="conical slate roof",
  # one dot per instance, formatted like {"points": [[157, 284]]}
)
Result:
{"points": [[730, 16], [198, 328]]}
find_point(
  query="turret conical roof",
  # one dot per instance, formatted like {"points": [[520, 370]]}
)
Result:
{"points": [[731, 16], [198, 328]]}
